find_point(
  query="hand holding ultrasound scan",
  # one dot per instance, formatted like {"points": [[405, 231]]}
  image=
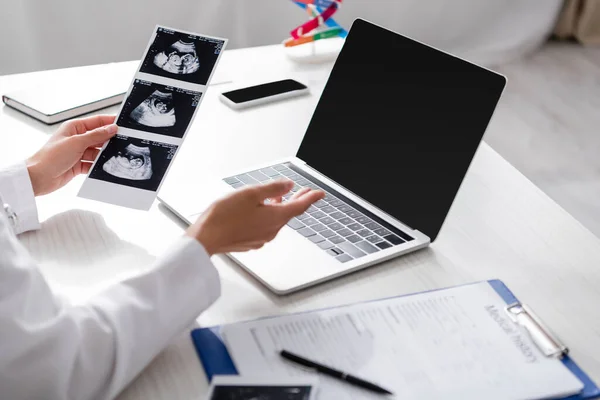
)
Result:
{"points": [[69, 152], [154, 119], [126, 163], [162, 299]]}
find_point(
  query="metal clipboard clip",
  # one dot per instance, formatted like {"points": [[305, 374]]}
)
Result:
{"points": [[548, 343]]}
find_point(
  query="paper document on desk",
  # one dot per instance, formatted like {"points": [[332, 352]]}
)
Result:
{"points": [[154, 119], [454, 344]]}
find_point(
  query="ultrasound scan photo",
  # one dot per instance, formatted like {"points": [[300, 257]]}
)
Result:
{"points": [[255, 392], [182, 56], [160, 109], [179, 58], [156, 111], [134, 162]]}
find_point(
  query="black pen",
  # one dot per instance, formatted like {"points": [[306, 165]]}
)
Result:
{"points": [[333, 372]]}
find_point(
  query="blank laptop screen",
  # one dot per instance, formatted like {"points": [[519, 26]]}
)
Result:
{"points": [[398, 124]]}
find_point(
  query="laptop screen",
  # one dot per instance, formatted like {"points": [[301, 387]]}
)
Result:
{"points": [[398, 124]]}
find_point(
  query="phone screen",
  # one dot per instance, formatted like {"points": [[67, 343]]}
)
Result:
{"points": [[264, 90]]}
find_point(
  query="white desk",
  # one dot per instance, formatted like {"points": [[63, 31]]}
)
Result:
{"points": [[501, 226]]}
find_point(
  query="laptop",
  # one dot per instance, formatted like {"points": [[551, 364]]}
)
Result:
{"points": [[390, 141]]}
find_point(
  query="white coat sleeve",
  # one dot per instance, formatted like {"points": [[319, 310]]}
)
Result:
{"points": [[92, 351], [16, 191]]}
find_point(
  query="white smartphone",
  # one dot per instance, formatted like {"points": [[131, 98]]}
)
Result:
{"points": [[264, 93]]}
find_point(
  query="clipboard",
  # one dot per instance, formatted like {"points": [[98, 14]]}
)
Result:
{"points": [[215, 358]]}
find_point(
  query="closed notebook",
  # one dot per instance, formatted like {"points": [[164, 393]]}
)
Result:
{"points": [[54, 102]]}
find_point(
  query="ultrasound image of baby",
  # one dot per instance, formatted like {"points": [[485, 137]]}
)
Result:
{"points": [[132, 163], [178, 58], [182, 56], [157, 110]]}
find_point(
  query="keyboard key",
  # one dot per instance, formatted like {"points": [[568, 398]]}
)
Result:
{"points": [[345, 232], [372, 226], [329, 197], [366, 247], [279, 167], [325, 245], [336, 202], [363, 220], [296, 188], [346, 220], [259, 176], [295, 224], [336, 251], [393, 239], [231, 180], [329, 209], [237, 185], [318, 227], [327, 233], [316, 238], [343, 258], [269, 172], [354, 214], [303, 216], [247, 179], [306, 232], [345, 208], [351, 249], [338, 215], [383, 245], [310, 221], [318, 214], [312, 209], [374, 239], [336, 226], [302, 182], [312, 186], [354, 238], [320, 204], [364, 232], [355, 227], [327, 220], [294, 177], [382, 231], [336, 239], [287, 172]]}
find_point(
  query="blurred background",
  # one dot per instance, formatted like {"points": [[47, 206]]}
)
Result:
{"points": [[38, 35], [547, 124]]}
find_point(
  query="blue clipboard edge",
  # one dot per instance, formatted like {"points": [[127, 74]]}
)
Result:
{"points": [[590, 390], [216, 360]]}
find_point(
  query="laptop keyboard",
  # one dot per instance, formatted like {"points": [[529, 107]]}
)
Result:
{"points": [[336, 224]]}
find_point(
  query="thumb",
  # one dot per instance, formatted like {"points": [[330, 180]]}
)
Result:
{"points": [[273, 189], [98, 136]]}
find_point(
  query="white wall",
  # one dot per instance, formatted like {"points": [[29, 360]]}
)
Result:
{"points": [[46, 34]]}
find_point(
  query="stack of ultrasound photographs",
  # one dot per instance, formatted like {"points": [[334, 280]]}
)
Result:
{"points": [[154, 119]]}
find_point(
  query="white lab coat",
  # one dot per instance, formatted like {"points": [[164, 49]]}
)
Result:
{"points": [[52, 350]]}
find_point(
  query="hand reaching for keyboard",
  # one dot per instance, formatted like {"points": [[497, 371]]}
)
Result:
{"points": [[243, 221]]}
